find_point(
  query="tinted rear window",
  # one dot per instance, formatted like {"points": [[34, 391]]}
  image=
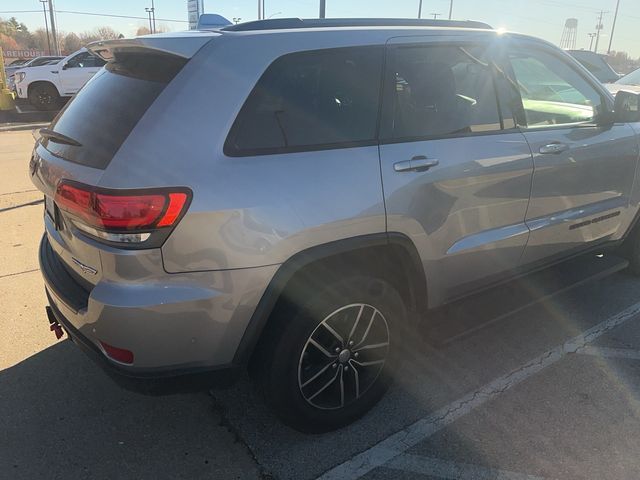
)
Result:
{"points": [[310, 101], [107, 108]]}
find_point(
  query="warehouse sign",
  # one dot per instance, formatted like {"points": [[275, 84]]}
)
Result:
{"points": [[23, 53]]}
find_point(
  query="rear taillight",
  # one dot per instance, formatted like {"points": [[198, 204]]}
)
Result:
{"points": [[123, 216], [118, 354]]}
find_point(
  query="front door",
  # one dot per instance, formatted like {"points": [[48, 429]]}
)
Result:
{"points": [[456, 173], [584, 168]]}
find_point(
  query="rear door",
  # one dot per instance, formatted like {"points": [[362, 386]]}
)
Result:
{"points": [[77, 71], [456, 171], [584, 168]]}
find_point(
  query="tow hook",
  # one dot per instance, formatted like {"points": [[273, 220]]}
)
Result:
{"points": [[54, 326]]}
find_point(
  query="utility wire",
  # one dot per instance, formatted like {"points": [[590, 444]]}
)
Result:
{"points": [[95, 15]]}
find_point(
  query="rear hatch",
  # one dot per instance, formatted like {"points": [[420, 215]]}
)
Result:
{"points": [[76, 149]]}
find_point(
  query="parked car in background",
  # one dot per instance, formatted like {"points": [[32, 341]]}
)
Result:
{"points": [[630, 82], [18, 61], [597, 64], [47, 85], [34, 62], [15, 64], [289, 196]]}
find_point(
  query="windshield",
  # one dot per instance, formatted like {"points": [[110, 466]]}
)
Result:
{"points": [[596, 64], [36, 62], [631, 79]]}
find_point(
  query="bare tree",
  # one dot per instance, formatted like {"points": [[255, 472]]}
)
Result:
{"points": [[39, 39], [71, 42], [145, 30], [101, 33], [107, 33]]}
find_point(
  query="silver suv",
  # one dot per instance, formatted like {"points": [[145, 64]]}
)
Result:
{"points": [[289, 194]]}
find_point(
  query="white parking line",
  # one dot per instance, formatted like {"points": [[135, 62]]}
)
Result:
{"points": [[606, 352], [400, 442], [454, 470]]}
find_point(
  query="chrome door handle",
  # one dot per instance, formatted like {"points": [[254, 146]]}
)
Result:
{"points": [[554, 148], [419, 163]]}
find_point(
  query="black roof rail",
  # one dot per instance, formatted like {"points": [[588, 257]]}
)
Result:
{"points": [[287, 23]]}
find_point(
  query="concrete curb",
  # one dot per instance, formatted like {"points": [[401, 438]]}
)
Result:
{"points": [[23, 126]]}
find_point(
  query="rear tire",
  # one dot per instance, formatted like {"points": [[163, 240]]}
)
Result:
{"points": [[630, 250], [44, 96], [334, 355]]}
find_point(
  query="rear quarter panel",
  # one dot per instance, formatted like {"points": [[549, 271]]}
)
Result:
{"points": [[246, 211]]}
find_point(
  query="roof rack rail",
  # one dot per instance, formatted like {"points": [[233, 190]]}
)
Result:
{"points": [[287, 23]]}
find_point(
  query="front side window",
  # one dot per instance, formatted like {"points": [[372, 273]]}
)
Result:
{"points": [[552, 92], [311, 100], [441, 91], [84, 60]]}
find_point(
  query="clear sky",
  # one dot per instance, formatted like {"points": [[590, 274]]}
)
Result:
{"points": [[543, 18]]}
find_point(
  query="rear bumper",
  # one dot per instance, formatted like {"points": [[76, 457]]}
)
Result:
{"points": [[176, 325], [153, 382]]}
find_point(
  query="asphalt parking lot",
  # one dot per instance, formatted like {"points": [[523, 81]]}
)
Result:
{"points": [[539, 378]]}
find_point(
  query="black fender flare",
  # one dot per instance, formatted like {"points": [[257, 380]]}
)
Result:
{"points": [[411, 264]]}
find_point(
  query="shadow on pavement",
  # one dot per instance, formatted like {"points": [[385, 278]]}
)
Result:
{"points": [[62, 417], [533, 319], [13, 116]]}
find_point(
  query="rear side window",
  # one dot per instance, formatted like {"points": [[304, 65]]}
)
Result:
{"points": [[440, 91], [310, 101], [108, 107]]}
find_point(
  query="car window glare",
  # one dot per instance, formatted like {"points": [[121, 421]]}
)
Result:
{"points": [[552, 92]]}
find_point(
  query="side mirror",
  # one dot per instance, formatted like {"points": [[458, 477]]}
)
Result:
{"points": [[627, 107], [65, 66]]}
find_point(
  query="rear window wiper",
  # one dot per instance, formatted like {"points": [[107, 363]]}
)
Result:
{"points": [[58, 137]]}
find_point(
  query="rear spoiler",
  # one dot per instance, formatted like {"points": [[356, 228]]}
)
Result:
{"points": [[183, 45]]}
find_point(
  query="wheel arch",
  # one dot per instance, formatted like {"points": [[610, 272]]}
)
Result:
{"points": [[35, 83], [391, 256]]}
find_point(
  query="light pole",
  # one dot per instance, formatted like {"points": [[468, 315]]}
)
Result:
{"points": [[153, 14], [54, 36], [236, 20], [436, 15], [613, 27], [323, 9], [148, 10], [420, 9], [46, 24], [450, 9], [591, 36], [599, 28]]}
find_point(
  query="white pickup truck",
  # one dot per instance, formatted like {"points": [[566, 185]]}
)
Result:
{"points": [[46, 85]]}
